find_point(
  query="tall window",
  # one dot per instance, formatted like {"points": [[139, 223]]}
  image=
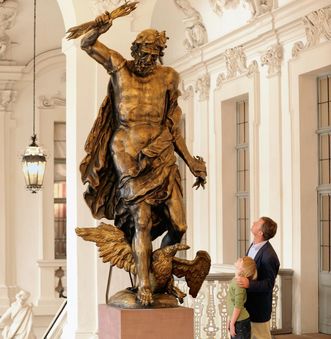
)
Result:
{"points": [[324, 161], [60, 211], [242, 177]]}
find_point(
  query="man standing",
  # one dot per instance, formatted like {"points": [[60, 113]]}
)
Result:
{"points": [[259, 292], [130, 166]]}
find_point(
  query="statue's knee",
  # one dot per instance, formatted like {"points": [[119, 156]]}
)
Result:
{"points": [[143, 226]]}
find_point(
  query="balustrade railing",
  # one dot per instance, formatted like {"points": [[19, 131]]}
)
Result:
{"points": [[210, 313]]}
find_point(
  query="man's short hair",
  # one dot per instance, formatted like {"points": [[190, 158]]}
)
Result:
{"points": [[269, 228]]}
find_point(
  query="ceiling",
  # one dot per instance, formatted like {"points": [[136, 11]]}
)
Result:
{"points": [[49, 26]]}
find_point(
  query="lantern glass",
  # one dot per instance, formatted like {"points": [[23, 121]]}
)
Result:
{"points": [[33, 164]]}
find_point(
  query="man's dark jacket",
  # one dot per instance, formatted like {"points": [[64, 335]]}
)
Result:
{"points": [[259, 293]]}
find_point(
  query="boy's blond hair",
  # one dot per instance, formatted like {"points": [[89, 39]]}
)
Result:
{"points": [[249, 268]]}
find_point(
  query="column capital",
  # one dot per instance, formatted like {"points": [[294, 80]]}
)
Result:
{"points": [[7, 98]]}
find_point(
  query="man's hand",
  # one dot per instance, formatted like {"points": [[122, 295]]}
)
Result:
{"points": [[232, 329], [198, 169], [242, 282]]}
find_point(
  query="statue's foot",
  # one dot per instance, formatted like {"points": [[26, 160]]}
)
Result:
{"points": [[145, 296]]}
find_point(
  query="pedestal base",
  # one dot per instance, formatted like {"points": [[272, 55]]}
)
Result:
{"points": [[164, 323]]}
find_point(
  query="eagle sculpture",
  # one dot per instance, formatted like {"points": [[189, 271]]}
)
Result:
{"points": [[114, 248]]}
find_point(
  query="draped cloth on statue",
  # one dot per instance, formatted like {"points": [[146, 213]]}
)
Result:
{"points": [[109, 194], [18, 320]]}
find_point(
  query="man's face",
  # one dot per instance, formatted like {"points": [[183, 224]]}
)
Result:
{"points": [[256, 228], [145, 62]]}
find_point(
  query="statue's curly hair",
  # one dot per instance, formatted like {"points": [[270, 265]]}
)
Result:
{"points": [[150, 39]]}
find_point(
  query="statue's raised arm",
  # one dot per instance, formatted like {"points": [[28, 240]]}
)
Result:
{"points": [[105, 19]]}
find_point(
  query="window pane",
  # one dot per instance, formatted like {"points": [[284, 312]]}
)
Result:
{"points": [[325, 259], [60, 213], [325, 234], [59, 172], [60, 190], [323, 90], [324, 146], [242, 178], [325, 201], [59, 131], [324, 116], [60, 230], [241, 159], [60, 149]]}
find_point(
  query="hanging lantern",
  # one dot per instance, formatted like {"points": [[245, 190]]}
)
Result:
{"points": [[33, 159], [33, 164]]}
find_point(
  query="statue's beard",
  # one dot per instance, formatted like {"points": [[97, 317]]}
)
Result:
{"points": [[143, 69]]}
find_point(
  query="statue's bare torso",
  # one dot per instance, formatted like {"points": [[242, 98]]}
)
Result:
{"points": [[140, 103]]}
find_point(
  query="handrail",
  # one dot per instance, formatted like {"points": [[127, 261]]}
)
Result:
{"points": [[55, 319]]}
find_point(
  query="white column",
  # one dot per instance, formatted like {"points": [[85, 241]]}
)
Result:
{"points": [[187, 105], [6, 98], [4, 300], [272, 157], [82, 313], [200, 147]]}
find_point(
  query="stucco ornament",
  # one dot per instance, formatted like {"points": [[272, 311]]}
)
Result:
{"points": [[236, 64], [195, 31], [317, 26], [100, 6], [17, 320], [202, 87], [187, 93], [219, 6], [8, 11], [52, 102], [273, 59], [259, 7], [7, 97]]}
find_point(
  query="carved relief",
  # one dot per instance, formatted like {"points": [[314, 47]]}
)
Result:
{"points": [[219, 6], [317, 26], [8, 10], [187, 93], [202, 87], [273, 58], [259, 7], [195, 31], [235, 59], [7, 97], [51, 102]]}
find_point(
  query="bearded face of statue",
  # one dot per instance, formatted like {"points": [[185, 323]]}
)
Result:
{"points": [[145, 61]]}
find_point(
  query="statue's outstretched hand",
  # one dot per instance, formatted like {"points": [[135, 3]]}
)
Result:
{"points": [[198, 169], [104, 21], [123, 10]]}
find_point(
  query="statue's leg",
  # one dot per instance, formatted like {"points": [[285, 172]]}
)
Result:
{"points": [[142, 249], [177, 217]]}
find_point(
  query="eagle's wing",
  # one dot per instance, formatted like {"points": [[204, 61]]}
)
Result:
{"points": [[194, 271], [113, 246]]}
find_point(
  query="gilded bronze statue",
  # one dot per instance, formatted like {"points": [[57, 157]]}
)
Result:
{"points": [[130, 166]]}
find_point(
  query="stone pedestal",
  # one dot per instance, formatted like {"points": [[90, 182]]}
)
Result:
{"points": [[162, 323]]}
